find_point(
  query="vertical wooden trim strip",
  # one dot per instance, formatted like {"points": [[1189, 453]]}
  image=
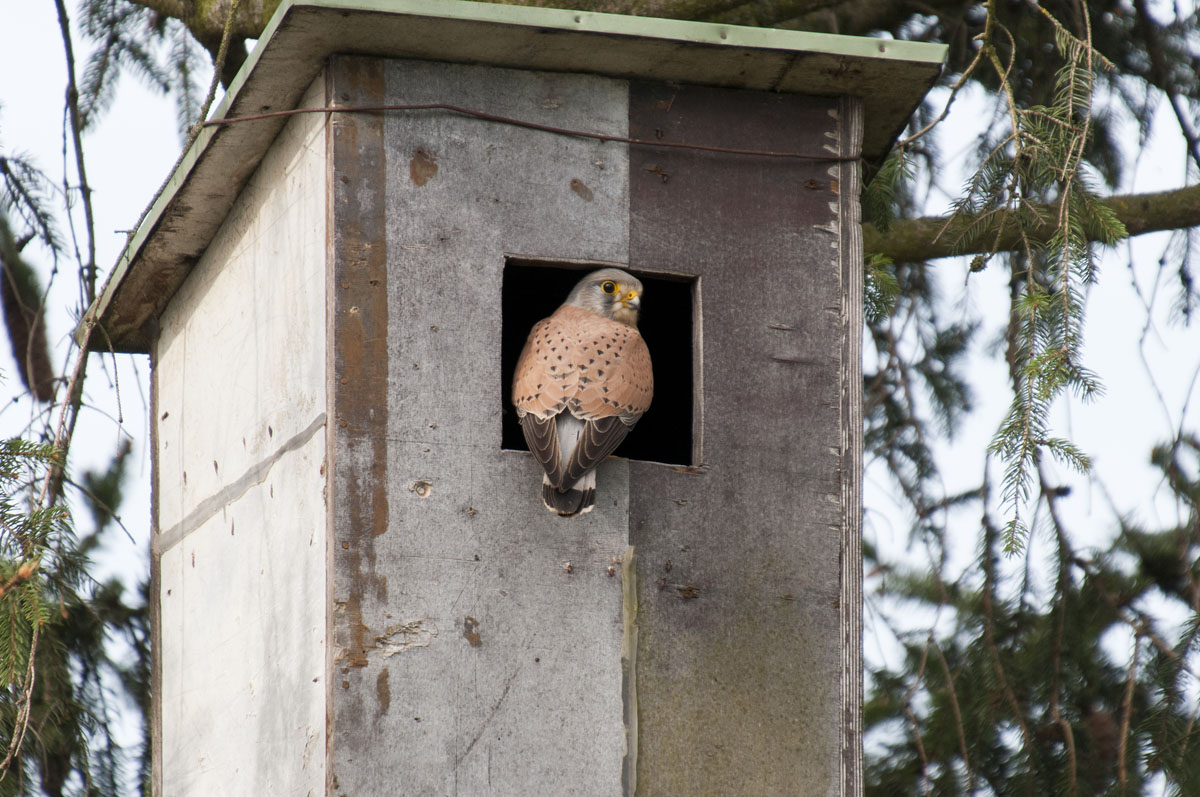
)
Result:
{"points": [[697, 373], [357, 366], [155, 598], [851, 256], [330, 423], [629, 643]]}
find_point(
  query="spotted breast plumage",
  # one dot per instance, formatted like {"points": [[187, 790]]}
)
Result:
{"points": [[582, 381]]}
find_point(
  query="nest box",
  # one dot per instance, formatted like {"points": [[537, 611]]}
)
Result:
{"points": [[356, 588]]}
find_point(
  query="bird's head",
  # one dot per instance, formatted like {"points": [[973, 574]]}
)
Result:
{"points": [[609, 292]]}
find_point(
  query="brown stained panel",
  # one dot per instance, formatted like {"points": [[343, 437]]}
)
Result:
{"points": [[738, 562], [359, 352]]}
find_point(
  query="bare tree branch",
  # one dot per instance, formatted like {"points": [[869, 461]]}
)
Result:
{"points": [[931, 237]]}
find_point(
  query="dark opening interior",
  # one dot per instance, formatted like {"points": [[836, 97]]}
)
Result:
{"points": [[534, 289]]}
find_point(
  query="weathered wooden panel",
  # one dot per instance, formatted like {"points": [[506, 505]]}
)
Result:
{"points": [[739, 665], [243, 637], [492, 629], [239, 549], [240, 360]]}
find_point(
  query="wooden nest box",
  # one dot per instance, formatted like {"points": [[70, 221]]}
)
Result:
{"points": [[356, 588]]}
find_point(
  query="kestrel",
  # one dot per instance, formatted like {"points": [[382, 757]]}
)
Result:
{"points": [[582, 381]]}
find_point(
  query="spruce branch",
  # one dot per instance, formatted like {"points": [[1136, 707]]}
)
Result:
{"points": [[1162, 78]]}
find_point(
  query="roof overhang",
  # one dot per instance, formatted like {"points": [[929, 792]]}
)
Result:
{"points": [[890, 76]]}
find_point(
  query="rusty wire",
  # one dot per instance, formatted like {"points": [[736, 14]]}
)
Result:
{"points": [[562, 131]]}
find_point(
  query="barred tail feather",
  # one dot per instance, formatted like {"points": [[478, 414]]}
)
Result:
{"points": [[578, 499]]}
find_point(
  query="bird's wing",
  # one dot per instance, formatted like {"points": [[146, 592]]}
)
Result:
{"points": [[546, 378], [616, 385], [598, 439], [541, 434]]}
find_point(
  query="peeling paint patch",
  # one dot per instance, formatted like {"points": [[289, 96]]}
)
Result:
{"points": [[399, 638], [418, 633], [312, 744]]}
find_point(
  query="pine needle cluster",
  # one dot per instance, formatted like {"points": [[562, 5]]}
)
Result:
{"points": [[1035, 168]]}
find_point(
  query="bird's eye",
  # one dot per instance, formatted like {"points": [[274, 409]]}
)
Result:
{"points": [[609, 287]]}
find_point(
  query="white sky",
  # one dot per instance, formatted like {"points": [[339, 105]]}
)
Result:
{"points": [[129, 154]]}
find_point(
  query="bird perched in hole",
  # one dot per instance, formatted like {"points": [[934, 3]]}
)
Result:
{"points": [[583, 380]]}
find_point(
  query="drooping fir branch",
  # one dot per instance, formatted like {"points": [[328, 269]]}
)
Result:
{"points": [[27, 532], [124, 35], [23, 304], [1031, 180]]}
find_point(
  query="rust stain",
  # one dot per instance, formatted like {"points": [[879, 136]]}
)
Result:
{"points": [[423, 167], [383, 692], [359, 351], [422, 487], [356, 655], [471, 631], [688, 592], [657, 171], [835, 186], [582, 190], [813, 185]]}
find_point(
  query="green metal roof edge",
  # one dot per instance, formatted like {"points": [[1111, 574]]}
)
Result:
{"points": [[590, 22], [638, 27]]}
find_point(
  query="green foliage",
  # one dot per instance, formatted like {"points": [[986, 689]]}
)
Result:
{"points": [[27, 195], [1061, 671], [59, 722], [885, 194], [881, 289], [1022, 695], [1038, 163], [881, 198], [128, 38], [27, 533], [118, 28], [22, 301], [74, 653]]}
